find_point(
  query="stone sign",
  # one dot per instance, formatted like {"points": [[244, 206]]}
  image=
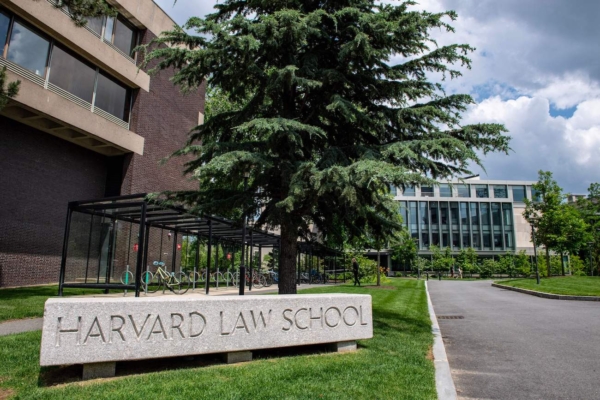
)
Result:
{"points": [[101, 330]]}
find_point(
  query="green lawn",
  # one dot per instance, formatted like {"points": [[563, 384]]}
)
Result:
{"points": [[568, 285], [28, 302], [392, 365]]}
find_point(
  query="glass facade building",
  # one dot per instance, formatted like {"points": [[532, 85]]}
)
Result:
{"points": [[477, 214]]}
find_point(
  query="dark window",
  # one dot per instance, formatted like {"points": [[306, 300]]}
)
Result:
{"points": [[423, 213], [435, 239], [464, 214], [444, 213], [4, 23], [95, 24], [519, 193], [424, 240], [508, 240], [496, 217], [481, 191], [466, 239], [445, 190], [445, 236], [476, 240], [454, 213], [112, 97], [72, 75], [124, 37], [464, 191], [433, 210], [409, 191], [498, 240], [404, 212], [500, 192], [413, 213], [507, 210], [487, 240], [474, 214], [485, 214], [427, 191], [28, 49]]}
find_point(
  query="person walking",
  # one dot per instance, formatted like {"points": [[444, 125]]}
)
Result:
{"points": [[355, 270]]}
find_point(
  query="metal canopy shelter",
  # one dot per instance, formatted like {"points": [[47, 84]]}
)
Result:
{"points": [[144, 214]]}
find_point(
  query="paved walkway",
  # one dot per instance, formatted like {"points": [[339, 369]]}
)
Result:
{"points": [[35, 324], [515, 346]]}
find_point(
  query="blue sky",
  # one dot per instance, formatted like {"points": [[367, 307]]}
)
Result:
{"points": [[536, 70]]}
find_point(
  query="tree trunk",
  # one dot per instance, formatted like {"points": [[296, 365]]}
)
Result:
{"points": [[287, 265], [548, 262], [562, 262]]}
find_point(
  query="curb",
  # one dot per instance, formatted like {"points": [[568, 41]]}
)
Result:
{"points": [[444, 383], [547, 295]]}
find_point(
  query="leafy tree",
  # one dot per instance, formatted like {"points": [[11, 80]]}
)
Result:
{"points": [[522, 264], [543, 211], [442, 259], [590, 211], [569, 232], [81, 10], [467, 259], [328, 122], [506, 264], [8, 90], [405, 250], [488, 268]]}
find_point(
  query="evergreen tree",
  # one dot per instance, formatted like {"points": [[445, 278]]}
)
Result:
{"points": [[8, 90], [329, 119], [80, 10]]}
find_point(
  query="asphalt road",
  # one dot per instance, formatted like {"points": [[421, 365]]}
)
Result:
{"points": [[516, 346]]}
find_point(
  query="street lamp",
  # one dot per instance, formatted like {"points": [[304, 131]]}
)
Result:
{"points": [[590, 246], [533, 221], [242, 267]]}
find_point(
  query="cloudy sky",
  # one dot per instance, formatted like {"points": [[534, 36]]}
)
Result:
{"points": [[536, 70]]}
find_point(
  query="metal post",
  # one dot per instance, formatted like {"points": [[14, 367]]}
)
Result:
{"points": [[196, 261], [259, 264], [217, 262], [208, 253], [141, 251], [299, 272], [244, 222], [250, 263], [63, 261], [174, 255], [87, 263]]}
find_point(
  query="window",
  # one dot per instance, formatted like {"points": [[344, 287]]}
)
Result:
{"points": [[464, 191], [474, 214], [445, 190], [72, 75], [112, 97], [433, 211], [519, 193], [393, 190], [464, 214], [427, 191], [500, 192], [409, 191], [124, 36], [496, 217], [117, 31], [28, 49], [423, 213], [4, 23], [507, 211], [481, 191], [404, 212], [95, 24]]}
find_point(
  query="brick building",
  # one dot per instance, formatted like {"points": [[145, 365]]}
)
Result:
{"points": [[87, 123]]}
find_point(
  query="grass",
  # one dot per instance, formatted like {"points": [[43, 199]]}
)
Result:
{"points": [[28, 302], [567, 285], [395, 364]]}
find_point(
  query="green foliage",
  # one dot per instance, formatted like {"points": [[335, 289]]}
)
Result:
{"points": [[578, 267], [405, 250], [80, 10], [442, 259], [327, 121], [559, 227], [467, 260], [7, 90], [488, 268], [590, 211], [522, 264]]}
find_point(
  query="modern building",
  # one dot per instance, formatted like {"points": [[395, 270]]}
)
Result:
{"points": [[486, 215], [87, 123]]}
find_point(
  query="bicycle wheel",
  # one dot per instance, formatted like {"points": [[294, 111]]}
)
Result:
{"points": [[150, 282], [194, 277], [179, 283], [256, 281], [262, 280], [268, 279], [126, 278], [228, 278]]}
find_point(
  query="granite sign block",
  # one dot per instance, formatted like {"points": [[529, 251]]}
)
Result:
{"points": [[95, 330]]}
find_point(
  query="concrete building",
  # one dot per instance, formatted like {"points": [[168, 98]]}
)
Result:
{"points": [[87, 123], [486, 215]]}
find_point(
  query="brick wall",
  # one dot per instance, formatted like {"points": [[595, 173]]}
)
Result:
{"points": [[40, 175], [164, 116]]}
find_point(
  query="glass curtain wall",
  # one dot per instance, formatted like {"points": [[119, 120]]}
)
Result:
{"points": [[483, 226], [31, 50]]}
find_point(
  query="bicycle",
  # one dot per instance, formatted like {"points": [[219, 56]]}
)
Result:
{"points": [[178, 283], [127, 277]]}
